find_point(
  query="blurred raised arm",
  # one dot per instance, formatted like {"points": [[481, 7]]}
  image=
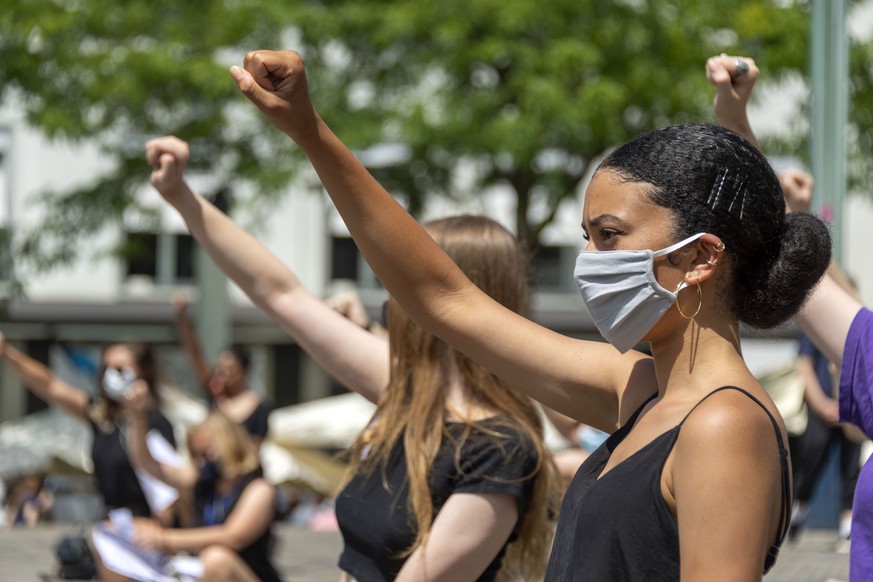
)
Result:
{"points": [[40, 380], [357, 358], [189, 341]]}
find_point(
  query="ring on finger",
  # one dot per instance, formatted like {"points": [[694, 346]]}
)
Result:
{"points": [[742, 67]]}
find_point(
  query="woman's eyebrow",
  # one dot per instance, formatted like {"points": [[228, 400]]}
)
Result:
{"points": [[601, 218]]}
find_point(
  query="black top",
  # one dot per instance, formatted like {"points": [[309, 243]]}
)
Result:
{"points": [[214, 509], [619, 527], [256, 424], [116, 479], [375, 522]]}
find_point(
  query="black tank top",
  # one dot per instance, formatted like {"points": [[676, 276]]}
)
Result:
{"points": [[618, 527]]}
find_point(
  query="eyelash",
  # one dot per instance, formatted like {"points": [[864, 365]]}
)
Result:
{"points": [[605, 234]]}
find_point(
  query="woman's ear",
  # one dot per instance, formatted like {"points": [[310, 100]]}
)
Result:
{"points": [[710, 251]]}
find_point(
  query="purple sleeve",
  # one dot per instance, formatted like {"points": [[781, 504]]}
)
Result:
{"points": [[856, 374]]}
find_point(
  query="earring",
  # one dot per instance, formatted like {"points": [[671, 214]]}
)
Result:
{"points": [[699, 303], [719, 247]]}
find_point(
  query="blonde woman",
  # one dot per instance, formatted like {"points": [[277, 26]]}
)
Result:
{"points": [[451, 480], [234, 504]]}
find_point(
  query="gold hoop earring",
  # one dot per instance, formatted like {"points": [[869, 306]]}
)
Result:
{"points": [[699, 303]]}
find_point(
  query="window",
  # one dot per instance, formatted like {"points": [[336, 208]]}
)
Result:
{"points": [[343, 258], [553, 268], [166, 258]]}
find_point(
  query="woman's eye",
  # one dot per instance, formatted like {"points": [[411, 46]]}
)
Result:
{"points": [[607, 234]]}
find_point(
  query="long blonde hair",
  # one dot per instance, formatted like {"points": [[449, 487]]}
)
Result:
{"points": [[413, 407], [236, 451]]}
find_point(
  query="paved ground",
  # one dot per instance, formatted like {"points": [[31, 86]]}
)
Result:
{"points": [[27, 554]]}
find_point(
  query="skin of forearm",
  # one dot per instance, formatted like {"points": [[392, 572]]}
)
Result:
{"points": [[177, 540], [353, 189], [233, 249], [36, 376]]}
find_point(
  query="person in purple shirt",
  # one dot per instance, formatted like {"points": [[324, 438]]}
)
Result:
{"points": [[836, 321]]}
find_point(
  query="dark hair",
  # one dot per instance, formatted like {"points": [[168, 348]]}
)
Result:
{"points": [[242, 355], [146, 370], [717, 182]]}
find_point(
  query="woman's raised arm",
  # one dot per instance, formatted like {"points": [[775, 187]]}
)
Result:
{"points": [[354, 356], [40, 380], [584, 380]]}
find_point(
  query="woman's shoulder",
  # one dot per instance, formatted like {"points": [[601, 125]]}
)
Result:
{"points": [[732, 423]]}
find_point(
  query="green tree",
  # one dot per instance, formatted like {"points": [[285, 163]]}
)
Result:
{"points": [[528, 94]]}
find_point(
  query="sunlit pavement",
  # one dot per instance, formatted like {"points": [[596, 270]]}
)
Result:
{"points": [[302, 555]]}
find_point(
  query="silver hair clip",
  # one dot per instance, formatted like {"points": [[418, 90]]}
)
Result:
{"points": [[728, 193]]}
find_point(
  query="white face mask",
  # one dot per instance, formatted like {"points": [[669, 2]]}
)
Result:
{"points": [[117, 382], [621, 293]]}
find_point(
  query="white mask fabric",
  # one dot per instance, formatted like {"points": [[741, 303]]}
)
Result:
{"points": [[621, 293], [117, 382]]}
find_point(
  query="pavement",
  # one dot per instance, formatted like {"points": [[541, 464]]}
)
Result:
{"points": [[303, 555]]}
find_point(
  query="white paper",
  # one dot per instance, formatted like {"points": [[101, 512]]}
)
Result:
{"points": [[125, 558], [158, 494]]}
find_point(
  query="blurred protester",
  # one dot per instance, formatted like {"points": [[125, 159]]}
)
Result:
{"points": [[451, 479], [234, 504], [349, 304], [123, 366], [29, 501], [583, 440], [823, 436], [225, 384]]}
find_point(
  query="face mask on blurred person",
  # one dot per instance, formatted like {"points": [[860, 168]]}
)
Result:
{"points": [[116, 382], [621, 293], [210, 472]]}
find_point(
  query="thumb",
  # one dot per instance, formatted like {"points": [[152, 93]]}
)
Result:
{"points": [[718, 75], [249, 87]]}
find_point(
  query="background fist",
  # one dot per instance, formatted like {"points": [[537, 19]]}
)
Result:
{"points": [[167, 157]]}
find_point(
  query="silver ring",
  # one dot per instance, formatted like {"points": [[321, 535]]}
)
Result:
{"points": [[742, 67]]}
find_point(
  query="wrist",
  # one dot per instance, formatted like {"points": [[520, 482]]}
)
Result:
{"points": [[163, 543], [310, 134]]}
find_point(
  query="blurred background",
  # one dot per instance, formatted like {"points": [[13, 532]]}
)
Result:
{"points": [[503, 108]]}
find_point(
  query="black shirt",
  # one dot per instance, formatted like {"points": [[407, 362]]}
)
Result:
{"points": [[214, 509], [375, 522], [116, 479], [256, 424], [618, 526]]}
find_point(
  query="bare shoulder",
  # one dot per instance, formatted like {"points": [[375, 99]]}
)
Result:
{"points": [[730, 424], [258, 491]]}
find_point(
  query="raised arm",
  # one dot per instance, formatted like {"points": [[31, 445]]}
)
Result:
{"points": [[832, 307], [136, 407], [354, 356], [830, 310], [584, 380], [188, 339], [40, 380], [734, 78]]}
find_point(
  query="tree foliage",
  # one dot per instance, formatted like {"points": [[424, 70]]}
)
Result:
{"points": [[526, 93]]}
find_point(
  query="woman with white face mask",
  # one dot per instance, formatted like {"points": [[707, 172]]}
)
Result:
{"points": [[122, 367], [687, 237]]}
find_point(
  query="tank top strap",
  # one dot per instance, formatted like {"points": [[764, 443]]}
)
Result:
{"points": [[785, 512]]}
